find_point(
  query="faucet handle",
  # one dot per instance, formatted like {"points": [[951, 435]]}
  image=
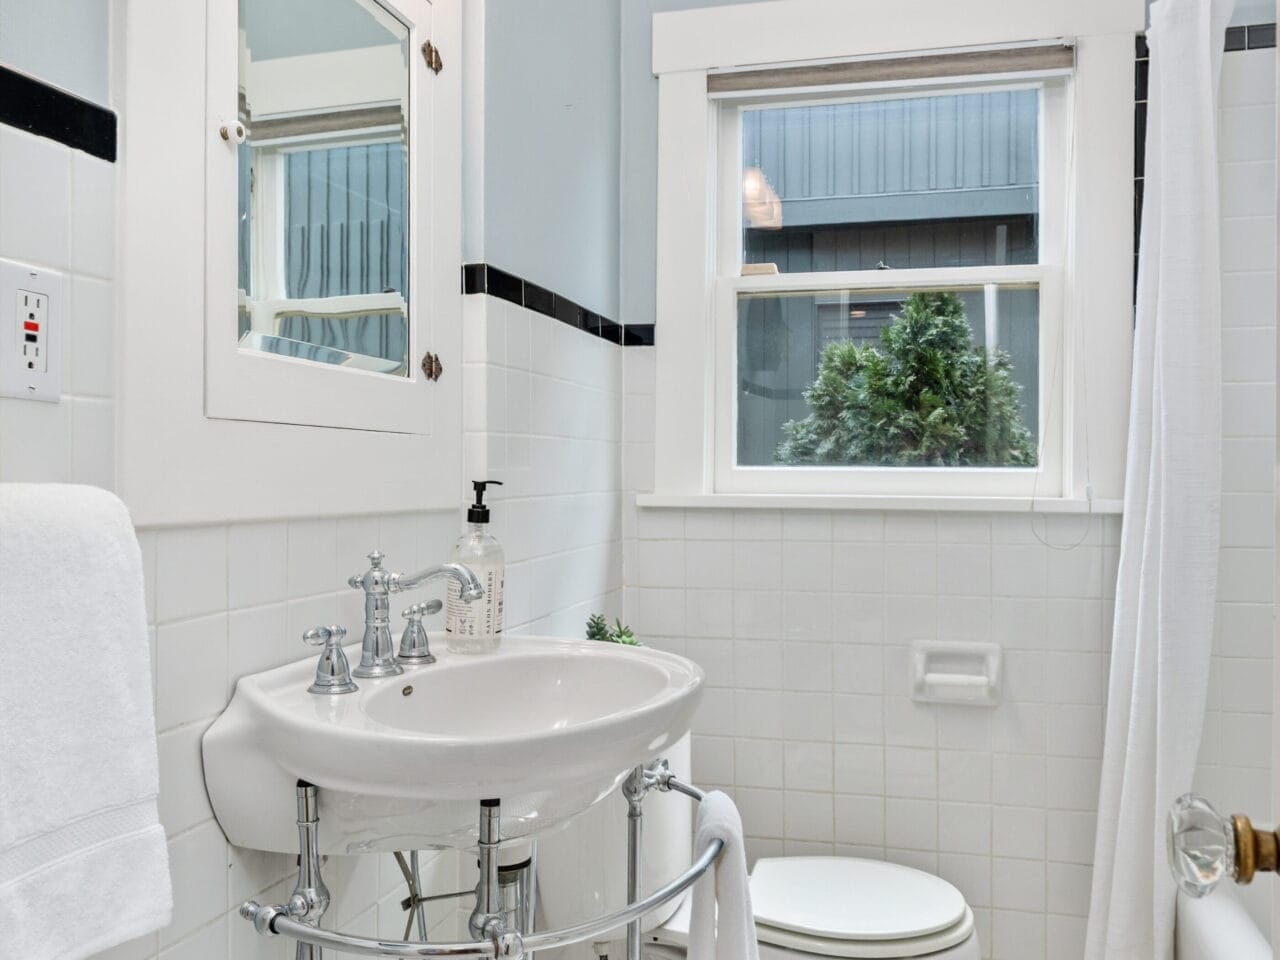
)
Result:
{"points": [[319, 636], [417, 611], [414, 647], [374, 576], [333, 672]]}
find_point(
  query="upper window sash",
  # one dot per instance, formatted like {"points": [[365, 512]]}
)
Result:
{"points": [[1054, 151]]}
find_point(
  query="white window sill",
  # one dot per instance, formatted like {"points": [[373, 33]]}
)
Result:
{"points": [[804, 501]]}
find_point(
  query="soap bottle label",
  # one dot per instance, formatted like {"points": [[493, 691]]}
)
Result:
{"points": [[481, 619]]}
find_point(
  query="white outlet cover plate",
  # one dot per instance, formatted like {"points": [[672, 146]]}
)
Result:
{"points": [[15, 379]]}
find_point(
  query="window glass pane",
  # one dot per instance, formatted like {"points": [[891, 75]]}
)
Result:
{"points": [[889, 377], [933, 181]]}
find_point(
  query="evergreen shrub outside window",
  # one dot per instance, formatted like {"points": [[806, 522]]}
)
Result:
{"points": [[923, 395]]}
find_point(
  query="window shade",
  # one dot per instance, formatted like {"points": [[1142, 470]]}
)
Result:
{"points": [[1057, 58]]}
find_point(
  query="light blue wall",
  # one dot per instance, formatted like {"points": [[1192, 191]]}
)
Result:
{"points": [[63, 42], [639, 154], [551, 133]]}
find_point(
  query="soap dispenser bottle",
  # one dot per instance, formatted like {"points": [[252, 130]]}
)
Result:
{"points": [[476, 627]]}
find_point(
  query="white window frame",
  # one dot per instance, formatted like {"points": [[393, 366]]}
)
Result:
{"points": [[1084, 273], [1043, 480]]}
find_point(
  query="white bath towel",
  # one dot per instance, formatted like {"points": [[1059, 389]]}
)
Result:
{"points": [[722, 925], [83, 862]]}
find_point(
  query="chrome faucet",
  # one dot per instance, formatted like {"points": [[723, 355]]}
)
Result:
{"points": [[377, 652]]}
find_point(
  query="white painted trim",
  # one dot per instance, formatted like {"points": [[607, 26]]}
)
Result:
{"points": [[243, 384], [800, 501], [796, 31], [175, 465], [686, 251], [1085, 253]]}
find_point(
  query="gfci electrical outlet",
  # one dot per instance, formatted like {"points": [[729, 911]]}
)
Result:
{"points": [[32, 312], [33, 330]]}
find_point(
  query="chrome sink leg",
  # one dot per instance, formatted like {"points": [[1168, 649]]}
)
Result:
{"points": [[634, 789], [488, 907], [310, 896], [489, 919]]}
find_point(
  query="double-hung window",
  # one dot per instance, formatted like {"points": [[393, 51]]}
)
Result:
{"points": [[889, 251]]}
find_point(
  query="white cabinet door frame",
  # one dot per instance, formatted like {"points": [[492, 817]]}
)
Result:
{"points": [[207, 433]]}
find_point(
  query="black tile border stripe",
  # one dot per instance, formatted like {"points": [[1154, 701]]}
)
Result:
{"points": [[36, 107], [1251, 36], [483, 278]]}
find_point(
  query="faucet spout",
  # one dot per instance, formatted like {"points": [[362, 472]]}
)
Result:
{"points": [[377, 653], [467, 580]]}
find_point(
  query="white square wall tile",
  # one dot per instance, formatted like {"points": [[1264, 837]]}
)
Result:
{"points": [[660, 563], [911, 772], [257, 558], [1068, 890], [143, 948], [808, 766], [910, 568], [859, 768], [971, 876], [35, 195], [964, 776], [911, 825], [964, 569], [858, 567], [859, 820], [964, 828], [191, 670], [757, 565], [1017, 935], [1019, 832], [90, 345], [191, 572], [93, 200], [809, 816], [198, 867], [93, 430], [757, 525], [312, 558], [806, 525], [758, 763], [183, 800], [207, 943], [35, 442], [806, 565], [1018, 884]]}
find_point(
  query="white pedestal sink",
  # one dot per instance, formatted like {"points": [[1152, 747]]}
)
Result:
{"points": [[548, 726]]}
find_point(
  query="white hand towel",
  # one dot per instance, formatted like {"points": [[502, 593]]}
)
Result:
{"points": [[83, 861], [722, 925]]}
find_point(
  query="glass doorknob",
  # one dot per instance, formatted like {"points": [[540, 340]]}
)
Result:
{"points": [[1204, 846]]}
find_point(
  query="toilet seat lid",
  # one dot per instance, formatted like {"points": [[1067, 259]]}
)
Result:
{"points": [[842, 898]]}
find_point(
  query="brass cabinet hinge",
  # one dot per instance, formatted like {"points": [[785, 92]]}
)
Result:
{"points": [[432, 367], [432, 56]]}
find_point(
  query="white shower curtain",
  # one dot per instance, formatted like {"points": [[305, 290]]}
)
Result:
{"points": [[1169, 547]]}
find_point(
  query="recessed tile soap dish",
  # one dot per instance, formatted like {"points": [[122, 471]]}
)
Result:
{"points": [[945, 671]]}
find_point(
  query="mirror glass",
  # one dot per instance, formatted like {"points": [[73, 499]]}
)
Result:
{"points": [[323, 183]]}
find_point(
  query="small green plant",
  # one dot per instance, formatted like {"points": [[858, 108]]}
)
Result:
{"points": [[925, 396], [598, 629]]}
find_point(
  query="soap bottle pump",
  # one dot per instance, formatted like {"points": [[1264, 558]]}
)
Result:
{"points": [[476, 627]]}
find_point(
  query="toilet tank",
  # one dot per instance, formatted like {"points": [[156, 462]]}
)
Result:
{"points": [[582, 868]]}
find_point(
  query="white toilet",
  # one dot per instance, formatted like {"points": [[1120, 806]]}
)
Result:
{"points": [[810, 907], [805, 907]]}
